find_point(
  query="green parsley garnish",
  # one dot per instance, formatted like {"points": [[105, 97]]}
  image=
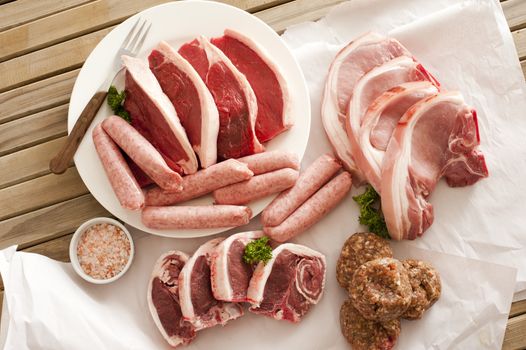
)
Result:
{"points": [[115, 101], [258, 250], [370, 212]]}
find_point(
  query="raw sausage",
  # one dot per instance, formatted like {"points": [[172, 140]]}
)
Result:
{"points": [[143, 153], [265, 162], [313, 210], [315, 176], [257, 187], [204, 181], [196, 217], [124, 185]]}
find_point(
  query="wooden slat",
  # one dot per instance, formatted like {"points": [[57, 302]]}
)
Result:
{"points": [[68, 24], [50, 222], [520, 43], [29, 163], [523, 66], [34, 129], [515, 12], [254, 5], [518, 308], [23, 11], [298, 11], [35, 97], [515, 336], [52, 60], [57, 248], [40, 192]]}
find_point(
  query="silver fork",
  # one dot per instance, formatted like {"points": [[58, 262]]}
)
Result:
{"points": [[130, 47]]}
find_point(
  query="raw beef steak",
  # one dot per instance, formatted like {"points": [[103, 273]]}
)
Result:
{"points": [[266, 80], [198, 304], [289, 284], [233, 96]]}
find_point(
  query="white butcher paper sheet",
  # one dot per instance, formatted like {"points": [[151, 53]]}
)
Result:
{"points": [[47, 306]]}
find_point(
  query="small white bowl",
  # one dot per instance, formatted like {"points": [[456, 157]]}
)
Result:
{"points": [[73, 250]]}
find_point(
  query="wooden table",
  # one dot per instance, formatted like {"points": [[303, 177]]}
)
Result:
{"points": [[43, 44]]}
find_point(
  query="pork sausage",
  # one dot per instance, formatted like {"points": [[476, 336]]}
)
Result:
{"points": [[266, 162], [315, 176], [124, 185], [195, 217], [143, 153], [202, 182], [313, 210], [257, 187]]}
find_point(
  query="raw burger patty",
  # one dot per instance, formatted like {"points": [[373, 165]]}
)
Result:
{"points": [[425, 282], [380, 289], [363, 334], [357, 250]]}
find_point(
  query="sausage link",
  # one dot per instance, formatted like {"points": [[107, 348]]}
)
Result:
{"points": [[195, 217], [202, 182], [265, 162], [257, 187], [310, 181], [124, 185], [143, 153], [313, 210]]}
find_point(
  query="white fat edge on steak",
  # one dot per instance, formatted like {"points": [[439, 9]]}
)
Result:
{"points": [[395, 199], [185, 277], [215, 55], [262, 272], [173, 341], [373, 156], [146, 80], [220, 277], [207, 151], [333, 120], [288, 118]]}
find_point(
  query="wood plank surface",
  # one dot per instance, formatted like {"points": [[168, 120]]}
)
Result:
{"points": [[34, 129], [518, 308], [520, 43], [57, 249], [515, 12], [29, 163], [23, 11], [515, 337], [40, 192]]}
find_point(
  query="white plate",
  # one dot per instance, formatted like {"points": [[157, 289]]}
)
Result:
{"points": [[177, 23]]}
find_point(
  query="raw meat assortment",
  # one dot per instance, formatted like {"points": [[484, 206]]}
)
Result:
{"points": [[314, 177], [204, 181], [142, 153], [289, 284], [154, 116], [198, 304], [436, 137], [191, 98], [349, 65], [265, 78], [266, 162], [195, 217], [397, 71], [256, 187], [379, 122], [122, 181], [233, 96], [312, 210], [230, 275], [163, 299]]}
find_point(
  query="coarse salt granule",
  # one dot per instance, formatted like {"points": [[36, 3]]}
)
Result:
{"points": [[103, 251]]}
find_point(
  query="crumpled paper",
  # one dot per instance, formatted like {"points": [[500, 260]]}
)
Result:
{"points": [[47, 306]]}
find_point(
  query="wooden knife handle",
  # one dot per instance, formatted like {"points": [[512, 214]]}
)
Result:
{"points": [[61, 161]]}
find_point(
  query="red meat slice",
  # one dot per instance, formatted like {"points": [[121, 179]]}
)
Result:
{"points": [[265, 79], [233, 96], [154, 116], [193, 102]]}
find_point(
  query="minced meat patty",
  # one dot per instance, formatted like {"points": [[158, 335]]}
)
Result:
{"points": [[380, 290], [357, 250], [426, 285], [363, 334]]}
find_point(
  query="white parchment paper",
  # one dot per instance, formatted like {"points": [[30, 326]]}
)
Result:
{"points": [[468, 46]]}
